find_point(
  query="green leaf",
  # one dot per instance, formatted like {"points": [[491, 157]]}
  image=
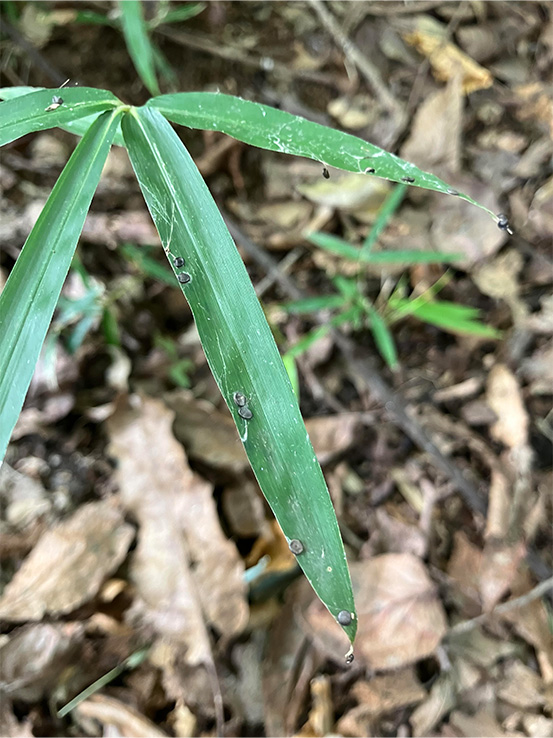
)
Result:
{"points": [[391, 204], [241, 352], [78, 127], [138, 42], [342, 248], [383, 338], [179, 14], [276, 130], [27, 113], [311, 304], [140, 255], [33, 287]]}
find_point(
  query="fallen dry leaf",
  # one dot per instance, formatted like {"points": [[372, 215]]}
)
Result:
{"points": [[499, 279], [185, 570], [500, 565], [521, 686], [441, 113], [446, 59], [68, 564], [441, 699], [504, 397], [331, 435], [114, 714], [389, 692], [35, 656], [401, 618], [539, 370]]}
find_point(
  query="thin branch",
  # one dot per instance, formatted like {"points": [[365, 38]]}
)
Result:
{"points": [[538, 591], [363, 64]]}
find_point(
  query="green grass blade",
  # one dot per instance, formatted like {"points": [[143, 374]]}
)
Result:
{"points": [[383, 338], [27, 113], [276, 130], [391, 204], [311, 304], [28, 300], [138, 42], [241, 352], [342, 248], [78, 127]]}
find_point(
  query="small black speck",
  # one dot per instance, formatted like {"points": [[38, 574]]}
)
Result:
{"points": [[326, 173], [178, 261], [407, 179], [350, 658], [370, 170], [451, 191], [296, 547], [344, 617], [183, 278], [57, 100], [245, 412]]}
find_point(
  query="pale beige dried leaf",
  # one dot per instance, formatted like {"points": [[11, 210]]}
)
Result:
{"points": [[69, 563], [389, 692], [482, 723], [521, 686], [401, 618], [112, 713], [446, 59], [440, 701], [35, 656], [499, 506], [440, 112], [178, 531], [539, 370], [504, 397], [500, 565], [331, 435], [500, 279]]}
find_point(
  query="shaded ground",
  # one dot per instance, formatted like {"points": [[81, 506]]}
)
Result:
{"points": [[133, 532]]}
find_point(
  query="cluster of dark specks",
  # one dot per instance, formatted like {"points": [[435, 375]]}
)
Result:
{"points": [[183, 277], [241, 402], [326, 173], [451, 191], [370, 170], [408, 179]]}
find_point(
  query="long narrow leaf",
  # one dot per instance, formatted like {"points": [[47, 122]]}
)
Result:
{"points": [[276, 130], [342, 248], [138, 42], [28, 300], [28, 113], [78, 127], [242, 353]]}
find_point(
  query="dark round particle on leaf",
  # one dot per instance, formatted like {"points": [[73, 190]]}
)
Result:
{"points": [[296, 547], [245, 412], [57, 100], [240, 399], [326, 173], [407, 179], [178, 261], [451, 191], [503, 223], [370, 170], [344, 617], [183, 277], [349, 658]]}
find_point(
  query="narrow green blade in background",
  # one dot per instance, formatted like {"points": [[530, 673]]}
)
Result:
{"points": [[138, 42], [241, 352], [29, 298], [27, 113], [276, 130]]}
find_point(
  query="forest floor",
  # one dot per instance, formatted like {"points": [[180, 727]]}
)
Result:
{"points": [[175, 573]]}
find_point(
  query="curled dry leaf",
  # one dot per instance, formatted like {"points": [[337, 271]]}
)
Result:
{"points": [[34, 657], [114, 714], [446, 59], [185, 570], [401, 618], [68, 564], [505, 399]]}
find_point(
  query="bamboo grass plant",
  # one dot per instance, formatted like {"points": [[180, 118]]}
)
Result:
{"points": [[235, 336]]}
